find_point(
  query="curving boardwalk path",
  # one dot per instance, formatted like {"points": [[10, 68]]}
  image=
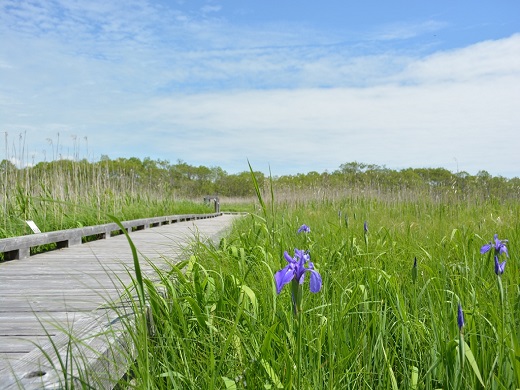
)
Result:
{"points": [[64, 291]]}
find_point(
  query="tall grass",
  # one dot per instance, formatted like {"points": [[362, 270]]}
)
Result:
{"points": [[71, 193], [219, 324], [215, 321]]}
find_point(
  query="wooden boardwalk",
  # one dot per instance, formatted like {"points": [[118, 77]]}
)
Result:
{"points": [[54, 294]]}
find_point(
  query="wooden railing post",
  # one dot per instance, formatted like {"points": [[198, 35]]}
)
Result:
{"points": [[216, 202]]}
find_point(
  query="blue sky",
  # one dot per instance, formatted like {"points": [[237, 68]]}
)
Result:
{"points": [[296, 86]]}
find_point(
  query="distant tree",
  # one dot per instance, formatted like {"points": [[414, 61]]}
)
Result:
{"points": [[240, 184], [7, 166], [352, 167], [217, 174]]}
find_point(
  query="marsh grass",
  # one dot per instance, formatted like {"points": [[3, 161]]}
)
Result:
{"points": [[72, 193], [218, 322], [214, 320], [54, 203]]}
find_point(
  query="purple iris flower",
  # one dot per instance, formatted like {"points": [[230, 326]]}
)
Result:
{"points": [[295, 271], [500, 247], [499, 267], [365, 227], [460, 317], [304, 228]]}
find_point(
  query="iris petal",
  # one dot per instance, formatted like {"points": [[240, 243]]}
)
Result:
{"points": [[460, 317], [304, 228], [296, 270], [499, 267], [315, 284], [485, 248], [288, 257], [282, 277], [503, 249]]}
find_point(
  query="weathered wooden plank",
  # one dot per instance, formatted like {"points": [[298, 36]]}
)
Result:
{"points": [[25, 343], [27, 323], [90, 346], [50, 304]]}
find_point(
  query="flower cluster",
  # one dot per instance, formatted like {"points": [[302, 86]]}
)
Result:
{"points": [[304, 229], [295, 271], [500, 248]]}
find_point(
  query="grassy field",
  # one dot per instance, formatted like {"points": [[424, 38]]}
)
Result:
{"points": [[407, 301], [68, 194]]}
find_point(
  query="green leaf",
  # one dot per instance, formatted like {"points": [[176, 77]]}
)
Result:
{"points": [[453, 232], [177, 271], [201, 318], [472, 362], [266, 344], [257, 190], [135, 257], [414, 379], [390, 370], [229, 383], [172, 374], [252, 298], [272, 375]]}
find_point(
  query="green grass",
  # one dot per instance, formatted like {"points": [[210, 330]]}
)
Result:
{"points": [[219, 324], [70, 194], [214, 321]]}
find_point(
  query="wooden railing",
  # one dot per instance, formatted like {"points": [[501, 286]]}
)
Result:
{"points": [[16, 248]]}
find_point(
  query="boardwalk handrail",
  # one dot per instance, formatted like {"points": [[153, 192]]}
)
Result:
{"points": [[17, 248]]}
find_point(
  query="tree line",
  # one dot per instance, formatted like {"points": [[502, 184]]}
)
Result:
{"points": [[191, 181]]}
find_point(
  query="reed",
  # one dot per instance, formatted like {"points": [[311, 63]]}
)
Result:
{"points": [[386, 316], [219, 322], [65, 193], [380, 320]]}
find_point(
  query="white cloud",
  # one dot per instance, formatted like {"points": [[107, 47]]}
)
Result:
{"points": [[483, 60], [431, 122], [145, 81], [406, 30]]}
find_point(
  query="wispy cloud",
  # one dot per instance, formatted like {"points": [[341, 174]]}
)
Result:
{"points": [[432, 121], [140, 78], [137, 45], [208, 8], [478, 62], [401, 30]]}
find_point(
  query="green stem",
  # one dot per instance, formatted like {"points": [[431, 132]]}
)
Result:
{"points": [[461, 359], [297, 297], [298, 351], [502, 325]]}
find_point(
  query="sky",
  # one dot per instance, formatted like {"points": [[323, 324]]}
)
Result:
{"points": [[290, 86]]}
